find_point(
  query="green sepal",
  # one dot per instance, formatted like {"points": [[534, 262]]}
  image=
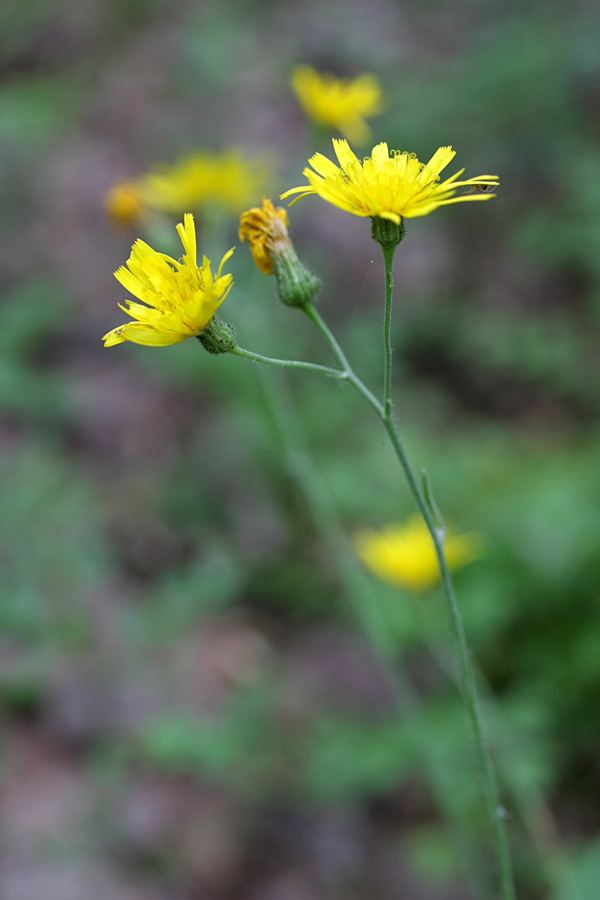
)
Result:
{"points": [[296, 284], [386, 232], [217, 337]]}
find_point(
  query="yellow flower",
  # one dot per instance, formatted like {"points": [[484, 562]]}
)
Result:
{"points": [[124, 202], [266, 232], [181, 298], [404, 555], [338, 103], [227, 180], [387, 185]]}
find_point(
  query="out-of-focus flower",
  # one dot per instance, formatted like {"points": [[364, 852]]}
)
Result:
{"points": [[227, 180], [388, 185], [180, 297], [338, 103], [265, 229], [124, 202], [404, 555]]}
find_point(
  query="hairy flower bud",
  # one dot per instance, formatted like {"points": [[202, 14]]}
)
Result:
{"points": [[217, 337]]}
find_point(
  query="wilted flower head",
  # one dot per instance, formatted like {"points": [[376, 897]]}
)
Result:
{"points": [[180, 297], [387, 185], [338, 103], [265, 229], [227, 180], [404, 555]]}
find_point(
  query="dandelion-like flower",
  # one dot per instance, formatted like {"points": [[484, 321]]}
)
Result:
{"points": [[388, 185], [227, 180], [404, 555], [179, 298], [338, 103], [124, 202], [265, 229]]}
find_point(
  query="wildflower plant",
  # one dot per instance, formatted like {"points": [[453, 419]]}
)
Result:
{"points": [[179, 299]]}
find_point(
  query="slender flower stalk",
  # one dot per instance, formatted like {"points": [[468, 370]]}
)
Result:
{"points": [[494, 808], [288, 363], [388, 258], [436, 529]]}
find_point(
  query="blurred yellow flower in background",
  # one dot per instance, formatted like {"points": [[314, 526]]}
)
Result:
{"points": [[404, 555], [388, 185], [203, 178], [265, 229], [338, 103], [124, 202], [180, 298]]}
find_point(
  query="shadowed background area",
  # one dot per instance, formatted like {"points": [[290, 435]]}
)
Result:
{"points": [[189, 710]]}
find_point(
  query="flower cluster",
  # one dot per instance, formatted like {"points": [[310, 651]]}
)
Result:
{"points": [[179, 298]]}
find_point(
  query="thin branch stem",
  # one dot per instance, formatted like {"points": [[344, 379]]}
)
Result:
{"points": [[339, 354], [289, 363], [492, 798]]}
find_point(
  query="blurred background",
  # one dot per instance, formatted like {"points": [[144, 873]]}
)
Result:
{"points": [[189, 708]]}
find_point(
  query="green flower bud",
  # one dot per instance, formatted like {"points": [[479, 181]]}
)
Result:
{"points": [[296, 284]]}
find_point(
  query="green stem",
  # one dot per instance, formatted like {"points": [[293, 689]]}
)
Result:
{"points": [[535, 813], [388, 258], [289, 363], [339, 354], [495, 811], [492, 798]]}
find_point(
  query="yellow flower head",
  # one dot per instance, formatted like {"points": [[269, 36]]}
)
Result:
{"points": [[338, 103], [387, 185], [124, 202], [404, 555], [227, 180], [266, 232], [180, 298]]}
